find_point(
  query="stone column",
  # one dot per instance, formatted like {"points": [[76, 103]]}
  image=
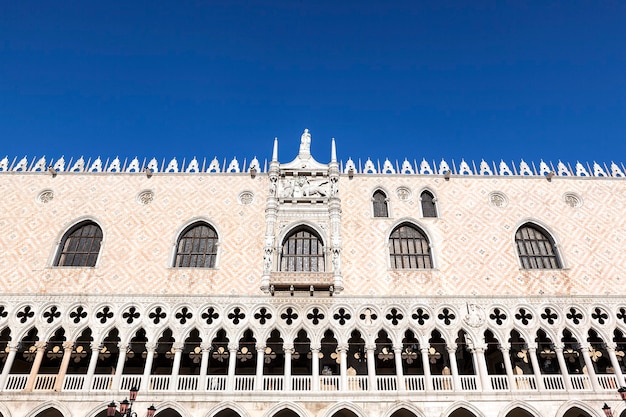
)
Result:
{"points": [[93, 363], [147, 369], [591, 372], [13, 346], [610, 349], [178, 353], [479, 354], [232, 362], [558, 349], [454, 367], [34, 370], [428, 380], [532, 352], [204, 365], [315, 367], [343, 366], [371, 367], [288, 350], [119, 368], [260, 358], [506, 358], [397, 357], [68, 347]]}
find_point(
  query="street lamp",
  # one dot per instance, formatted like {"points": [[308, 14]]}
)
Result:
{"points": [[126, 407], [607, 410]]}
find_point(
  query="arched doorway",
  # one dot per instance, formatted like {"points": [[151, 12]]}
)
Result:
{"points": [[403, 412], [50, 412], [344, 413], [227, 413], [462, 412], [168, 412], [519, 412], [576, 412]]}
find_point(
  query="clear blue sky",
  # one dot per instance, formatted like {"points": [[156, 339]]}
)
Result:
{"points": [[484, 79]]}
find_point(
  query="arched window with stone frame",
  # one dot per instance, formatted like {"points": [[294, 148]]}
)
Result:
{"points": [[80, 246], [302, 251], [197, 247], [429, 204], [409, 248], [536, 248], [380, 206]]}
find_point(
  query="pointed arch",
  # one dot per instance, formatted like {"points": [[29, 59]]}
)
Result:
{"points": [[302, 250], [196, 246], [536, 248], [409, 247], [428, 203], [380, 206], [80, 245]]}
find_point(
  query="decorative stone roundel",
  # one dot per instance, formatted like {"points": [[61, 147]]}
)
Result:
{"points": [[210, 315], [342, 316], [498, 316], [446, 316], [420, 316], [523, 316], [574, 315], [145, 197], [368, 316], [404, 193], [45, 196], [3, 312], [315, 316], [573, 200], [498, 199], [78, 314], [600, 315], [246, 197], [25, 314], [183, 315], [104, 315]]}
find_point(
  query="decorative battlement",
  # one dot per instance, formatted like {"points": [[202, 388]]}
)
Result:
{"points": [[305, 162], [350, 167]]}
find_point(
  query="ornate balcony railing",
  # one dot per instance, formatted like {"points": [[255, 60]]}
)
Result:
{"points": [[305, 383]]}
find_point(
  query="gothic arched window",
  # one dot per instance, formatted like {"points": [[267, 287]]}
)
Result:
{"points": [[536, 248], [429, 208], [379, 201], [197, 247], [409, 248], [81, 245], [302, 251]]}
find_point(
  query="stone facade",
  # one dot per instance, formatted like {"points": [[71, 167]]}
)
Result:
{"points": [[475, 334]]}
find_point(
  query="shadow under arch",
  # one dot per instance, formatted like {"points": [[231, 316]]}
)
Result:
{"points": [[576, 412], [404, 409], [462, 409], [577, 409], [228, 409], [520, 412], [344, 409], [519, 409], [50, 409], [286, 409]]}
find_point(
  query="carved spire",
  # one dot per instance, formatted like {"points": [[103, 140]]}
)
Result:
{"points": [[333, 151], [275, 151]]}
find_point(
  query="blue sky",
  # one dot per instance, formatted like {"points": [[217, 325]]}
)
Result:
{"points": [[493, 79]]}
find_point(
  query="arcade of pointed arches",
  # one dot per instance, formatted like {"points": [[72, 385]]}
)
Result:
{"points": [[341, 409]]}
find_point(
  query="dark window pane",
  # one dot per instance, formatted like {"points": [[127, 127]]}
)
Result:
{"points": [[302, 251], [197, 247], [81, 245], [535, 248], [409, 248]]}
